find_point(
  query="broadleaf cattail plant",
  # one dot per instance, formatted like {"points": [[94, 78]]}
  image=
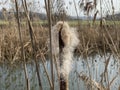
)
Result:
{"points": [[68, 40]]}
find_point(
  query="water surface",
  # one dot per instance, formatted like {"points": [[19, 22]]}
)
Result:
{"points": [[13, 78]]}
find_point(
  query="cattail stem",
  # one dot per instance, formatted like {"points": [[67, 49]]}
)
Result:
{"points": [[63, 82]]}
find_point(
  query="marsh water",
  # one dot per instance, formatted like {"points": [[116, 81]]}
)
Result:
{"points": [[12, 78]]}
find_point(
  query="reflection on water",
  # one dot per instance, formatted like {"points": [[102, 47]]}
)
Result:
{"points": [[13, 78]]}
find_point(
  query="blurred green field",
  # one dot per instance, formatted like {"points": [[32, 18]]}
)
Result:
{"points": [[86, 22], [2, 22], [71, 22]]}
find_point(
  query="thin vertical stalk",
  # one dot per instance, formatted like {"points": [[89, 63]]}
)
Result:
{"points": [[76, 12], [113, 9], [57, 69], [22, 49], [50, 34], [101, 8], [43, 59], [46, 7], [101, 21], [33, 42]]}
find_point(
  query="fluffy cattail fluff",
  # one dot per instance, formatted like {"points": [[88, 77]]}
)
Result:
{"points": [[67, 40]]}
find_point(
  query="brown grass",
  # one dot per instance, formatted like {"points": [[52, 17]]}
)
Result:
{"points": [[92, 41], [99, 40], [10, 44]]}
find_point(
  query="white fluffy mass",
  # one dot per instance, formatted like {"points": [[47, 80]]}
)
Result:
{"points": [[70, 39]]}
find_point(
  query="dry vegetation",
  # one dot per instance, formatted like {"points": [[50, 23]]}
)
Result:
{"points": [[93, 40], [99, 40], [10, 43]]}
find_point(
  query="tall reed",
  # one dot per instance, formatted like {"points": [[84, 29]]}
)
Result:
{"points": [[22, 49]]}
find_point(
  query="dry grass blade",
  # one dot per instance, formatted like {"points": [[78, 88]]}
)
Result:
{"points": [[17, 54], [113, 80], [113, 44], [43, 59], [89, 81], [105, 73], [107, 63], [95, 15]]}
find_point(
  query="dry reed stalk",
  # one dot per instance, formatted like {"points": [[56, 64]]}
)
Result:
{"points": [[0, 54], [46, 7], [85, 46], [48, 10], [114, 46], [105, 73], [95, 36], [101, 21], [22, 49], [32, 41], [1, 40], [16, 56], [112, 80], [43, 59], [91, 82], [113, 9], [76, 12], [95, 15], [57, 67]]}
